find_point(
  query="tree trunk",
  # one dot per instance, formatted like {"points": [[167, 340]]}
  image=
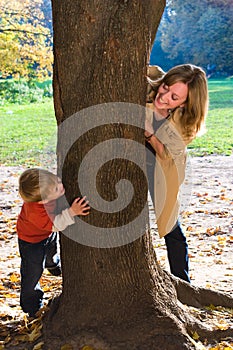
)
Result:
{"points": [[115, 296]]}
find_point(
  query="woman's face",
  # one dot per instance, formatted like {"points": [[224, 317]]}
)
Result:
{"points": [[169, 97]]}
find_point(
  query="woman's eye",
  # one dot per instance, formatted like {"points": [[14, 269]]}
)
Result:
{"points": [[165, 87]]}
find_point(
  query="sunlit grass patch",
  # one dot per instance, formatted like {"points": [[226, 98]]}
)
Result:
{"points": [[28, 133], [219, 136]]}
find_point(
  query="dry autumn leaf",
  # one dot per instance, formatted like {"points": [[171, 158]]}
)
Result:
{"points": [[66, 347], [14, 277], [195, 336], [222, 347], [198, 218], [210, 231], [10, 295], [33, 335], [222, 325], [38, 346]]}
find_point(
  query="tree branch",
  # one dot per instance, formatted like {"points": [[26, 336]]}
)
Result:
{"points": [[23, 31]]}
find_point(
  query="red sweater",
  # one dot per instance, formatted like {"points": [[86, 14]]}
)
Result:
{"points": [[35, 221]]}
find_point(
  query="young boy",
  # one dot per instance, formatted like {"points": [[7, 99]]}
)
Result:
{"points": [[36, 227]]}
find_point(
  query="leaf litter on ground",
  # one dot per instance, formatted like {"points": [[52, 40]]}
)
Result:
{"points": [[207, 221]]}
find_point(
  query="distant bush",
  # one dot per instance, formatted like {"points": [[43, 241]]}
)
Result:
{"points": [[23, 92]]}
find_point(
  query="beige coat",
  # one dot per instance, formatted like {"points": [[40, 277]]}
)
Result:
{"points": [[169, 172]]}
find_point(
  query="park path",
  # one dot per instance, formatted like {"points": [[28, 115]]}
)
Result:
{"points": [[206, 218]]}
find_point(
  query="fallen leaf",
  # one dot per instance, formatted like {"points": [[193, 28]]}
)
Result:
{"points": [[14, 277], [222, 325], [10, 295], [38, 346], [67, 347], [195, 336]]}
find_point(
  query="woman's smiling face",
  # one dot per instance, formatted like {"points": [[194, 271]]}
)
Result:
{"points": [[170, 97]]}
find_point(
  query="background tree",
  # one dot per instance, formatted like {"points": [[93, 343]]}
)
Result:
{"points": [[46, 8], [112, 298], [199, 32], [24, 39]]}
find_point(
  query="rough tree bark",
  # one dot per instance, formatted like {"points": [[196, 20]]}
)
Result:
{"points": [[112, 298]]}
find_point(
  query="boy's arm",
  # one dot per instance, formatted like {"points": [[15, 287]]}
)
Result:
{"points": [[61, 221], [66, 218]]}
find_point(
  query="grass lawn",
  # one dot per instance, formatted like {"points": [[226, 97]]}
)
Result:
{"points": [[219, 136], [28, 132]]}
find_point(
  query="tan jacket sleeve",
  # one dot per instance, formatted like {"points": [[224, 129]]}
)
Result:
{"points": [[171, 138], [169, 175]]}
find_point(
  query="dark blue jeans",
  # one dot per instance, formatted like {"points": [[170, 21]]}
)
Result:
{"points": [[34, 258], [177, 252], [177, 247]]}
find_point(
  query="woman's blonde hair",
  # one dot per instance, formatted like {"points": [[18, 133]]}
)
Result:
{"points": [[192, 115], [35, 184]]}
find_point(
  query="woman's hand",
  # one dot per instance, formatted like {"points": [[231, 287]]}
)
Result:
{"points": [[148, 128]]}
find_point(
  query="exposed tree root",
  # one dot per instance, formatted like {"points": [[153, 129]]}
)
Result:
{"points": [[152, 332], [198, 297], [200, 321], [155, 331], [205, 330], [216, 335]]}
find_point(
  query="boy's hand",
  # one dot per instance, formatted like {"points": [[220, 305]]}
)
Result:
{"points": [[79, 207]]}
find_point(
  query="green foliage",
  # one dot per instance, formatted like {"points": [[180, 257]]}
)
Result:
{"points": [[197, 31], [22, 92], [25, 40]]}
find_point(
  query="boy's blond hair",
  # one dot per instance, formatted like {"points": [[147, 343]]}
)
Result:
{"points": [[35, 184]]}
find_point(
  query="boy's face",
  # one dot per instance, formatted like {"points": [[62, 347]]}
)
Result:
{"points": [[56, 192]]}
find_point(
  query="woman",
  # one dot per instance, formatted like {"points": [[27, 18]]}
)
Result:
{"points": [[178, 102]]}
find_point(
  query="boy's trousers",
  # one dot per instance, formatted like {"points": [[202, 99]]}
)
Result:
{"points": [[34, 258]]}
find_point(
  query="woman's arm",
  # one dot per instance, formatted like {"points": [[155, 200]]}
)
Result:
{"points": [[156, 144], [153, 140]]}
